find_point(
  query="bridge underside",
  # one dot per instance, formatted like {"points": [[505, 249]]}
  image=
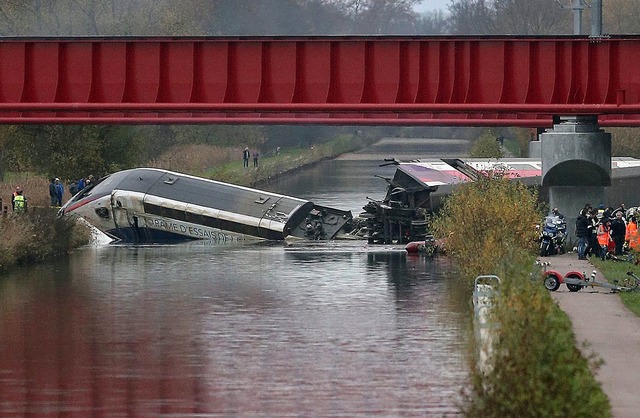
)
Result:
{"points": [[446, 81]]}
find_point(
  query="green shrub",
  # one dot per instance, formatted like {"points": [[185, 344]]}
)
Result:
{"points": [[485, 222], [538, 371], [38, 235], [486, 146], [488, 227]]}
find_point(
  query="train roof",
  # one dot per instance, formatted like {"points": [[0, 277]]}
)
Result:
{"points": [[198, 191]]}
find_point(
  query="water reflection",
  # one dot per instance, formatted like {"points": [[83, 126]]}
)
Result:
{"points": [[268, 329], [261, 330]]}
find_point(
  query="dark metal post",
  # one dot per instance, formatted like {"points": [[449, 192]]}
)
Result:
{"points": [[596, 18]]}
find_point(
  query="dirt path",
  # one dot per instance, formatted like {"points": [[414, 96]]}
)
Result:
{"points": [[612, 332]]}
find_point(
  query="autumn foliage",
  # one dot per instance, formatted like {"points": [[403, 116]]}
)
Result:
{"points": [[536, 369], [488, 225]]}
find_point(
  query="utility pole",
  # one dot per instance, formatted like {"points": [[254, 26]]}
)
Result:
{"points": [[577, 6], [596, 18]]}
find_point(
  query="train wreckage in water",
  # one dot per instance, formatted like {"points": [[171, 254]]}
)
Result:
{"points": [[146, 205], [417, 187]]}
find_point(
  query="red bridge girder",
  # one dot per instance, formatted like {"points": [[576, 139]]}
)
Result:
{"points": [[473, 81]]}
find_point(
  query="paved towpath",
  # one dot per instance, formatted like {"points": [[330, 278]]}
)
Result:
{"points": [[610, 329]]}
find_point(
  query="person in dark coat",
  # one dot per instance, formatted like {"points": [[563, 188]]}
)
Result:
{"points": [[582, 233], [593, 248], [53, 198], [246, 154], [618, 231], [59, 191]]}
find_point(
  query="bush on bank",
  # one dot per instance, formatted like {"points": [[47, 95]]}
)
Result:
{"points": [[486, 222], [537, 370], [37, 235]]}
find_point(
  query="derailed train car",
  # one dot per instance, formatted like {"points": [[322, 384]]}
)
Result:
{"points": [[146, 205], [417, 187]]}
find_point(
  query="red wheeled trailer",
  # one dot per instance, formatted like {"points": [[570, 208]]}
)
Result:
{"points": [[576, 280]]}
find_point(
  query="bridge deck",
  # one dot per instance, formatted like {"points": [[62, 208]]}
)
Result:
{"points": [[517, 81]]}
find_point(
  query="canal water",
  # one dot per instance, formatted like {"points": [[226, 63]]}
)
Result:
{"points": [[257, 330]]}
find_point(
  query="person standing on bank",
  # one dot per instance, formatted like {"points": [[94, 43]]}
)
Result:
{"points": [[18, 201], [582, 233], [593, 248], [604, 237], [246, 154], [52, 192], [59, 192], [255, 158], [618, 231]]}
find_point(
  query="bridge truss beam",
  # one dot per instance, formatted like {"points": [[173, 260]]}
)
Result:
{"points": [[472, 81]]}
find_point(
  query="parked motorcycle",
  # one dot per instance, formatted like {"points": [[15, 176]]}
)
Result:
{"points": [[553, 235]]}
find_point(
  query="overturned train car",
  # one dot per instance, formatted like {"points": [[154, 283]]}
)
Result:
{"points": [[147, 205], [418, 187]]}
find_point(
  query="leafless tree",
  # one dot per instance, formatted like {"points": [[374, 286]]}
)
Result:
{"points": [[509, 17], [621, 16]]}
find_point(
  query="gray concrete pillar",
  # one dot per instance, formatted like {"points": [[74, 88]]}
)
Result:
{"points": [[576, 165], [535, 149]]}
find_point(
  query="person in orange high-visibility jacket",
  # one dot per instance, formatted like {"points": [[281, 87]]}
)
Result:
{"points": [[632, 227], [604, 237]]}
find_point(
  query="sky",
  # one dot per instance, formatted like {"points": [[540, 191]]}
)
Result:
{"points": [[430, 5]]}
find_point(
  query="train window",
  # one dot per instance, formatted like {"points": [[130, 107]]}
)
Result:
{"points": [[102, 212]]}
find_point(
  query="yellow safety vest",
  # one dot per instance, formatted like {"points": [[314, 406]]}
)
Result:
{"points": [[19, 204]]}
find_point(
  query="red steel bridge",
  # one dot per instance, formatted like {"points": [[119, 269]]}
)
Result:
{"points": [[386, 80]]}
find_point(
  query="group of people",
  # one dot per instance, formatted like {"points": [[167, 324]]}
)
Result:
{"points": [[604, 231], [56, 193], [56, 189], [246, 156]]}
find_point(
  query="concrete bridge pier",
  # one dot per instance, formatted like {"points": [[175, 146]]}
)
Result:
{"points": [[576, 165]]}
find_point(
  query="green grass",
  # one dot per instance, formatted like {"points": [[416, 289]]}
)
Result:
{"points": [[617, 270], [288, 159]]}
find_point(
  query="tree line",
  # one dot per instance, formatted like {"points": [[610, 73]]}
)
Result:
{"points": [[302, 17]]}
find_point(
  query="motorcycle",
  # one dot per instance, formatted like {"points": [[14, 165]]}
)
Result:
{"points": [[553, 235]]}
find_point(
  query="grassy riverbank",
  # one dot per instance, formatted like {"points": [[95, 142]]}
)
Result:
{"points": [[534, 367], [286, 161], [40, 235], [617, 271]]}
